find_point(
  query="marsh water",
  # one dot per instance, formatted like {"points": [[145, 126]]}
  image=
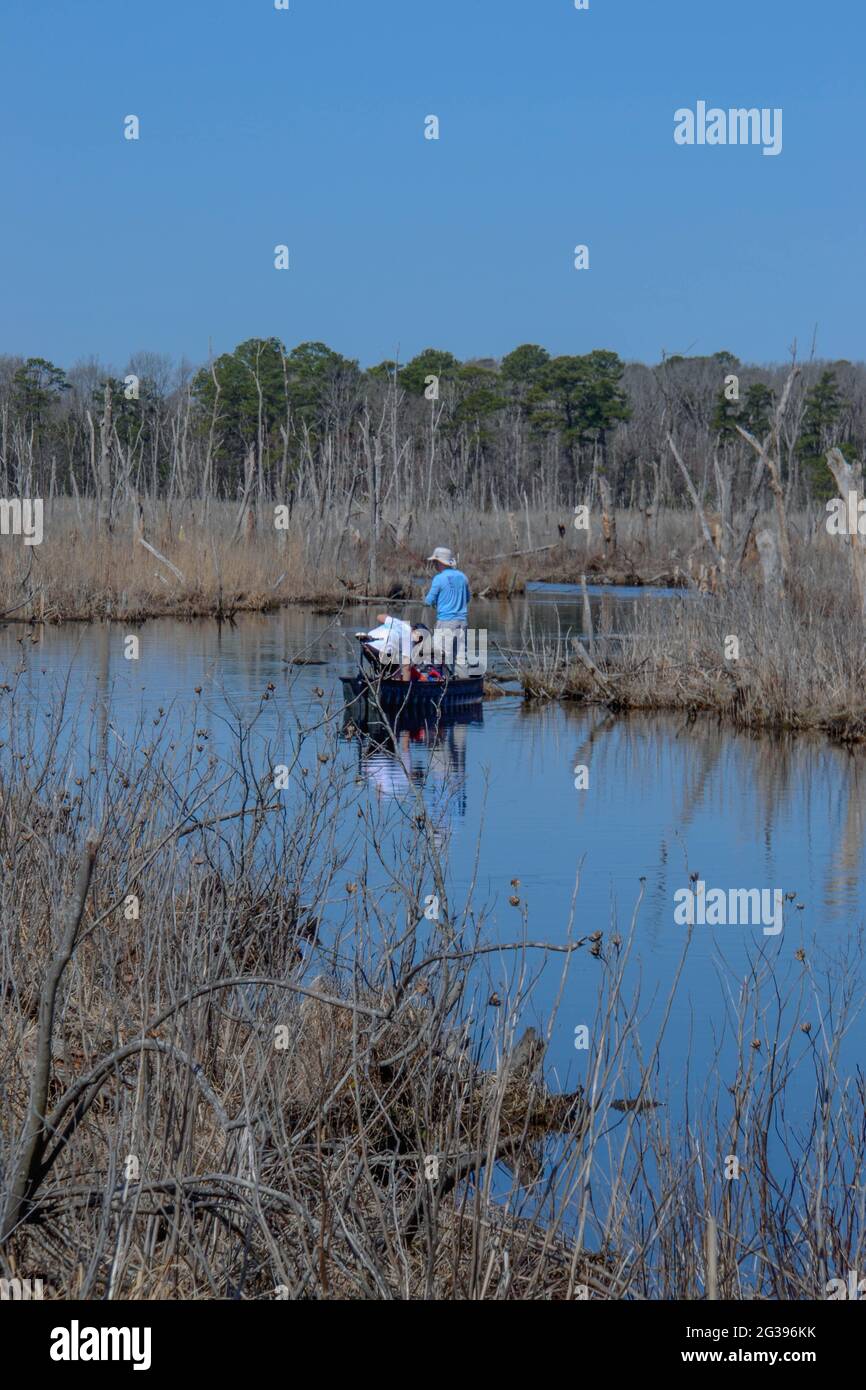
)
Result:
{"points": [[667, 798]]}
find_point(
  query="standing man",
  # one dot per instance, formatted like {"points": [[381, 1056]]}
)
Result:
{"points": [[449, 595]]}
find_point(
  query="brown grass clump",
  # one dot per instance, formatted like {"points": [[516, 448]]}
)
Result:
{"points": [[263, 1080], [800, 663], [201, 1074], [205, 568]]}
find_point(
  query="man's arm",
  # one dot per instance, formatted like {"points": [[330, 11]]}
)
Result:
{"points": [[433, 592]]}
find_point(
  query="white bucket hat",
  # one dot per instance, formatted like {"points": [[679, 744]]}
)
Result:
{"points": [[443, 555]]}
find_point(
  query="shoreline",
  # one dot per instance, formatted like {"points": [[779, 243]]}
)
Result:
{"points": [[608, 685], [848, 729], [222, 607]]}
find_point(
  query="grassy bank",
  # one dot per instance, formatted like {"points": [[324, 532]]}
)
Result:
{"points": [[244, 1063], [797, 662], [800, 660], [205, 567]]}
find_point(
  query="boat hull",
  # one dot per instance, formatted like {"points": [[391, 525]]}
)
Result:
{"points": [[414, 696]]}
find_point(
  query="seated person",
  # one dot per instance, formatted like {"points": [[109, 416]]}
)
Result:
{"points": [[392, 643], [398, 644]]}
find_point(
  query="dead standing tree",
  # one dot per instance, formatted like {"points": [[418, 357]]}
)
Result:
{"points": [[771, 569], [774, 552], [608, 518], [719, 555], [245, 520], [104, 480], [769, 457], [372, 448], [848, 478]]}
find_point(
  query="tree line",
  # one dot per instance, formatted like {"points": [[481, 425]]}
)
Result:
{"points": [[308, 425]]}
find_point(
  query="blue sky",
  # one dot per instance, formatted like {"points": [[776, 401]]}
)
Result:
{"points": [[306, 127]]}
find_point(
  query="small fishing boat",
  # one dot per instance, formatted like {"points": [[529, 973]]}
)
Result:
{"points": [[414, 695], [437, 690]]}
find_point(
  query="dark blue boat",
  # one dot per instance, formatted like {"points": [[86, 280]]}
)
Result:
{"points": [[398, 696], [376, 687]]}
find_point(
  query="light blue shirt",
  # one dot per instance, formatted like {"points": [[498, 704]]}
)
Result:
{"points": [[449, 595]]}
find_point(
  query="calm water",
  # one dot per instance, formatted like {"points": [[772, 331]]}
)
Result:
{"points": [[666, 798]]}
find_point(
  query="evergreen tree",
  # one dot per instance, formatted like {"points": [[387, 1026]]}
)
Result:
{"points": [[579, 397], [430, 362], [36, 387], [824, 407]]}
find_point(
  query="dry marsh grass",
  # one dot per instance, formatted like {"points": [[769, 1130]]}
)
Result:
{"points": [[800, 663], [81, 574], [243, 1084]]}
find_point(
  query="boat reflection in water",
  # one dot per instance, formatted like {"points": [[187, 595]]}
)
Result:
{"points": [[415, 753]]}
